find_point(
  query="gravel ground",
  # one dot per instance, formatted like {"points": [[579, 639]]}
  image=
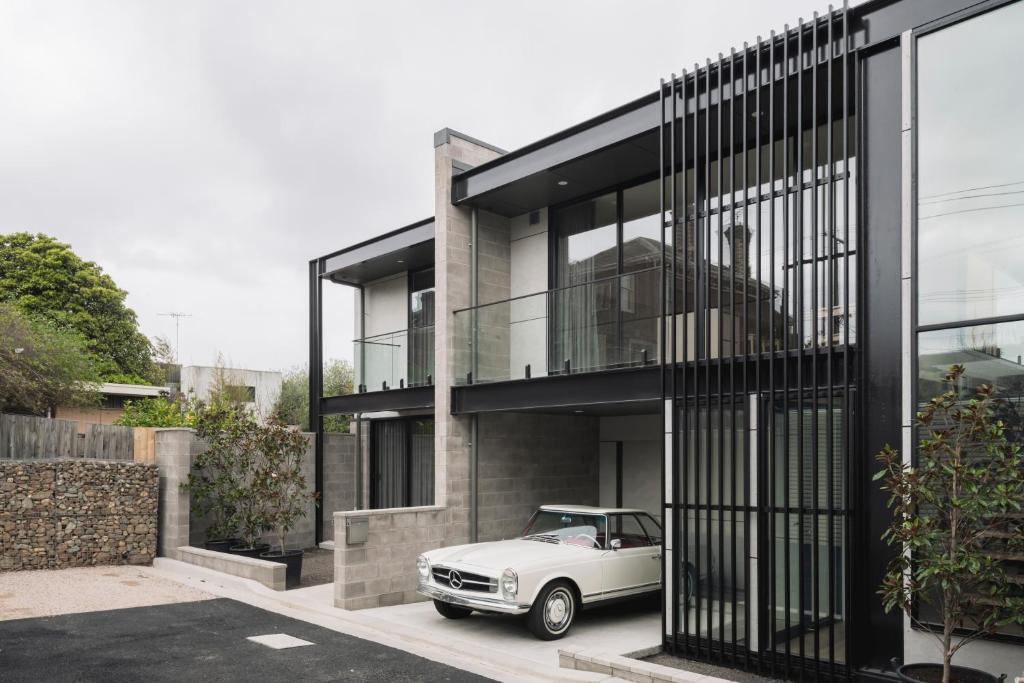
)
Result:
{"points": [[87, 589], [707, 669], [317, 567]]}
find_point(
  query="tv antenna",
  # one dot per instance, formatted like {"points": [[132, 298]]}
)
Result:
{"points": [[177, 330]]}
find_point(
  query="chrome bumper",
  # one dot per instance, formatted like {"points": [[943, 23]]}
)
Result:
{"points": [[482, 604]]}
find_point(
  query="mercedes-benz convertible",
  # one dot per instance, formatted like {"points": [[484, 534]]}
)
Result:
{"points": [[567, 557]]}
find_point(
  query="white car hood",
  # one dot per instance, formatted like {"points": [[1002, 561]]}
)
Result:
{"points": [[494, 557]]}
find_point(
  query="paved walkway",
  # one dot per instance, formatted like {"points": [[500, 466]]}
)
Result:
{"points": [[87, 589], [207, 640]]}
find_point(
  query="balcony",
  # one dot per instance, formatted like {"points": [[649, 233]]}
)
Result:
{"points": [[395, 360], [599, 325]]}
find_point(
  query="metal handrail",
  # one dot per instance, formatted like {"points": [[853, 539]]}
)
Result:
{"points": [[388, 334], [558, 289]]}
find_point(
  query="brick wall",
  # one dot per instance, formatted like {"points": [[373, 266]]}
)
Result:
{"points": [[528, 460], [382, 571], [76, 513]]}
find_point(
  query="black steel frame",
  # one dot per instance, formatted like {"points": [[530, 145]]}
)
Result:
{"points": [[790, 75]]}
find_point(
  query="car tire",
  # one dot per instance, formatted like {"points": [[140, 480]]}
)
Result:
{"points": [[553, 611], [450, 611]]}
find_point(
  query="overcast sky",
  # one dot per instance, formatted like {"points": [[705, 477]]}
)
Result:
{"points": [[203, 152]]}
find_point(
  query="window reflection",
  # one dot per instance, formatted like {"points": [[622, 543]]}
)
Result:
{"points": [[970, 181]]}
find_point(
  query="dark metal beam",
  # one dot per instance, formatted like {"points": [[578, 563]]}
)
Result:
{"points": [[414, 398]]}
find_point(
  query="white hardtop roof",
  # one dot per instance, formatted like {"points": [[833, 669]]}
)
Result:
{"points": [[588, 510]]}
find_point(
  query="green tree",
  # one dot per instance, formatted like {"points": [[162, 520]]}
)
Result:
{"points": [[292, 405], [954, 515], [42, 367], [47, 280]]}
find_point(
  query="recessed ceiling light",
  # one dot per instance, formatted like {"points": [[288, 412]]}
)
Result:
{"points": [[578, 412], [563, 183], [401, 261]]}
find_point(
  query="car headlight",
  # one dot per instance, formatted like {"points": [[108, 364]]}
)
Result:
{"points": [[423, 568], [509, 584]]}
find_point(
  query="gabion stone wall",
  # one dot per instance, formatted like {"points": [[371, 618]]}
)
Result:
{"points": [[76, 513]]}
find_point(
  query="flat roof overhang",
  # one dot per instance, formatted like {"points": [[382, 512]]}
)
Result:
{"points": [[408, 248], [413, 398], [612, 392], [616, 147]]}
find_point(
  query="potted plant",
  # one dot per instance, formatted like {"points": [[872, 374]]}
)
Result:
{"points": [[955, 514], [211, 482], [284, 492], [247, 495]]}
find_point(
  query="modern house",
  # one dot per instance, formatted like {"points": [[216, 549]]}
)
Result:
{"points": [[715, 303], [257, 390]]}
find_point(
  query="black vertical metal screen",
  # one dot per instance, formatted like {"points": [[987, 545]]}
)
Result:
{"points": [[758, 178]]}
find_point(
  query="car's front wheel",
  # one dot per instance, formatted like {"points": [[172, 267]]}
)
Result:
{"points": [[553, 611], [450, 611]]}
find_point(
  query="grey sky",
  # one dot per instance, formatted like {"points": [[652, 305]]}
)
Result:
{"points": [[202, 153]]}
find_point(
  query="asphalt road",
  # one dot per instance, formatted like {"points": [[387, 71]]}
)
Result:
{"points": [[198, 641]]}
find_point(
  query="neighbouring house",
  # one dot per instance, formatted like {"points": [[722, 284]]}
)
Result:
{"points": [[256, 389], [113, 397], [715, 303]]}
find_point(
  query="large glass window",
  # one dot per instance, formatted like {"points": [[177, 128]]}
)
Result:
{"points": [[605, 307], [421, 327], [970, 177], [970, 223]]}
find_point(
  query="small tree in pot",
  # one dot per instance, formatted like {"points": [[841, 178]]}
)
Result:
{"points": [[212, 481], [284, 491], [954, 515]]}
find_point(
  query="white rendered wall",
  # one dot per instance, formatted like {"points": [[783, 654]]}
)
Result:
{"points": [[387, 311], [199, 379], [529, 275], [641, 461]]}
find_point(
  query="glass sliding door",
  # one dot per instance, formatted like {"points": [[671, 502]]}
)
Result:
{"points": [[401, 462], [805, 601]]}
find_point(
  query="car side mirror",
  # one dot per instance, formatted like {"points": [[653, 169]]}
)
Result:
{"points": [[615, 544]]}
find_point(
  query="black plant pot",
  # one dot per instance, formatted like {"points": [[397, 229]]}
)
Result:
{"points": [[292, 560], [253, 552], [932, 673], [221, 545]]}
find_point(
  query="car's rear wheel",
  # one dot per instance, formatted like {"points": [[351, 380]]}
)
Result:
{"points": [[553, 611], [450, 611]]}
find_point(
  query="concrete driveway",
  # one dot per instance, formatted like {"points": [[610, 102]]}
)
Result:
{"points": [[620, 629], [208, 640]]}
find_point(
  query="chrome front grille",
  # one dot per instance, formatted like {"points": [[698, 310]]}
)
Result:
{"points": [[462, 580]]}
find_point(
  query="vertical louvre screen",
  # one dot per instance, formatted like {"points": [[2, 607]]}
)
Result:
{"points": [[759, 192]]}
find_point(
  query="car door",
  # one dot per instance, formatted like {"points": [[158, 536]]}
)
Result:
{"points": [[635, 566]]}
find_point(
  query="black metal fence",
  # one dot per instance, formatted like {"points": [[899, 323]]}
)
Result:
{"points": [[759, 191]]}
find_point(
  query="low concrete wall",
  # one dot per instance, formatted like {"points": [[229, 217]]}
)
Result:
{"points": [[76, 513], [270, 574], [382, 570]]}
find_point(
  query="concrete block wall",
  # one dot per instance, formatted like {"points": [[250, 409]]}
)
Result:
{"points": [[173, 460], [493, 285], [382, 570], [339, 478], [175, 450], [527, 460], [452, 287]]}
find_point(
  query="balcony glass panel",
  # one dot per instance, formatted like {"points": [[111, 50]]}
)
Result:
{"points": [[598, 325], [396, 359]]}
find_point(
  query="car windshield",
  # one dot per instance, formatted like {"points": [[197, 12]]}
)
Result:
{"points": [[570, 528]]}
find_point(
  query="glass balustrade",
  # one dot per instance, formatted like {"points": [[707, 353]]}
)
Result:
{"points": [[395, 360], [598, 325]]}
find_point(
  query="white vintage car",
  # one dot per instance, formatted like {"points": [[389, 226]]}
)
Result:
{"points": [[567, 557]]}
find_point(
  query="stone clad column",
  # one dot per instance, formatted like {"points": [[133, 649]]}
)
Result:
{"points": [[452, 291]]}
